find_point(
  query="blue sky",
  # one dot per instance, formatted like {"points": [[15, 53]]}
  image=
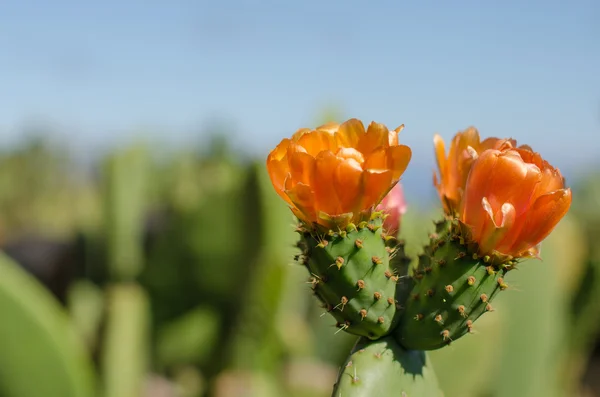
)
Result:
{"points": [[107, 70]]}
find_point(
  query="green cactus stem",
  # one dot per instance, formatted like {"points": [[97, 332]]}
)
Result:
{"points": [[452, 288], [352, 275], [383, 368]]}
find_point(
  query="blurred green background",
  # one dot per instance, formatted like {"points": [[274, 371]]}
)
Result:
{"points": [[170, 274]]}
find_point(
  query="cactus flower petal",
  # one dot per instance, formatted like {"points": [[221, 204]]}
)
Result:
{"points": [[454, 168], [542, 217]]}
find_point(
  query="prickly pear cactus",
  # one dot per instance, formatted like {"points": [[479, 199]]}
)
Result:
{"points": [[452, 288], [383, 368], [353, 277]]}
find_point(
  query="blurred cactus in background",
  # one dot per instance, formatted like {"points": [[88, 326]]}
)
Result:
{"points": [[172, 274]]}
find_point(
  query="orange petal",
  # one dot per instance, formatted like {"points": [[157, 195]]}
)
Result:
{"points": [[458, 148], [470, 137], [280, 150], [461, 160], [551, 180], [458, 165], [440, 155], [317, 141], [350, 153], [496, 226], [525, 147], [331, 128], [302, 164], [512, 181], [277, 167], [398, 159], [278, 171], [393, 135], [323, 186], [303, 198], [348, 184], [476, 188], [349, 133], [299, 134], [376, 184], [377, 160], [542, 217], [497, 143], [377, 136]]}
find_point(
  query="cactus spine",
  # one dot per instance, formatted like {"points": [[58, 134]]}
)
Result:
{"points": [[353, 277]]}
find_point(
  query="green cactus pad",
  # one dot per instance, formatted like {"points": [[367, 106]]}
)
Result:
{"points": [[452, 288], [383, 368], [352, 275]]}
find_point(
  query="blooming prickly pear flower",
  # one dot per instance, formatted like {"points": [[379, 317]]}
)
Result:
{"points": [[393, 206], [454, 168], [333, 178], [337, 174], [501, 201], [512, 200]]}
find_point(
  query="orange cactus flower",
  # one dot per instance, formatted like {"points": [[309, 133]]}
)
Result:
{"points": [[337, 174], [512, 200], [454, 168]]}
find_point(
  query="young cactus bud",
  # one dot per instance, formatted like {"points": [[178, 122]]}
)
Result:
{"points": [[333, 178]]}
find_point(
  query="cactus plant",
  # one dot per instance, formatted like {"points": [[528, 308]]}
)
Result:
{"points": [[500, 202]]}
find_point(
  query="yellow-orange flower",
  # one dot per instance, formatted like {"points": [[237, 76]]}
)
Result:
{"points": [[337, 174], [454, 168], [512, 201]]}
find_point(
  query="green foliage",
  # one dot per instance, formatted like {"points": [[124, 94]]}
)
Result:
{"points": [[187, 340], [124, 359], [40, 354], [36, 190], [86, 307], [125, 196]]}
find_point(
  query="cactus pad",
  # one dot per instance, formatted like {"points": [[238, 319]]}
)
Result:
{"points": [[452, 288], [383, 368], [352, 275]]}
